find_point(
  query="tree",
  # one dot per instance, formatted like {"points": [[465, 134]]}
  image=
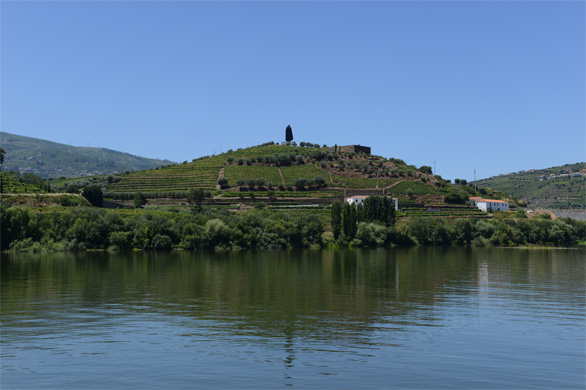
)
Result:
{"points": [[300, 183], [336, 219], [223, 182], [425, 169], [140, 200], [94, 195], [288, 134], [378, 208], [454, 198], [349, 220], [195, 196], [320, 181]]}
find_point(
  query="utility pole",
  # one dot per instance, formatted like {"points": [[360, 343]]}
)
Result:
{"points": [[434, 172], [475, 189]]}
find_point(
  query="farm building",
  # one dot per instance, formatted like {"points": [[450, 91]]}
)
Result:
{"points": [[493, 205], [356, 199], [351, 148], [359, 199]]}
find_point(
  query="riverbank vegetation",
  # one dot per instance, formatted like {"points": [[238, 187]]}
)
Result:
{"points": [[91, 228]]}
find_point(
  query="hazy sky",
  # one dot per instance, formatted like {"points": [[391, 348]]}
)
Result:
{"points": [[496, 86]]}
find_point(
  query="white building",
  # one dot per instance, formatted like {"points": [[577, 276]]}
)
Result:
{"points": [[359, 199], [493, 205], [356, 199]]}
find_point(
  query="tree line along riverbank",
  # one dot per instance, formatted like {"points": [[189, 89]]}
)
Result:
{"points": [[90, 228]]}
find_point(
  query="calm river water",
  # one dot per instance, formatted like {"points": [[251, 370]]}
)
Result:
{"points": [[415, 318]]}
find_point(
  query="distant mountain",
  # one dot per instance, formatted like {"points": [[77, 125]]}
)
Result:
{"points": [[51, 159], [559, 187]]}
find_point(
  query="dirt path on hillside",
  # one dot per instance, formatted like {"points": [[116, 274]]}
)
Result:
{"points": [[395, 183], [220, 175], [281, 174]]}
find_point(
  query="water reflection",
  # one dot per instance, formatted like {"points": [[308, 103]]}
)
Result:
{"points": [[357, 304], [289, 293]]}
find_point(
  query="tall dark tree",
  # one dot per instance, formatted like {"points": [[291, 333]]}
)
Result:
{"points": [[349, 221], [336, 218], [288, 134]]}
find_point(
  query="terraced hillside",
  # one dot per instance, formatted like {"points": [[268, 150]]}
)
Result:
{"points": [[300, 175], [175, 178], [12, 185], [562, 188], [277, 165]]}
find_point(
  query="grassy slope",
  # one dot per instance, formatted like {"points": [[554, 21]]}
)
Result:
{"points": [[51, 159], [559, 193], [341, 171]]}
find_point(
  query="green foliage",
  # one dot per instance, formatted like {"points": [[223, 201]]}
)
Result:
{"points": [[83, 228], [426, 169], [140, 200], [349, 220], [336, 219], [195, 196], [94, 195], [376, 208], [371, 234], [300, 183], [455, 198]]}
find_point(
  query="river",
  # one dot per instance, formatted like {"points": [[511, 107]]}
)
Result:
{"points": [[407, 318]]}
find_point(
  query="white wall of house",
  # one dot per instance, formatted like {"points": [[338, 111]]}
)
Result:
{"points": [[355, 201], [359, 200], [485, 205], [396, 203]]}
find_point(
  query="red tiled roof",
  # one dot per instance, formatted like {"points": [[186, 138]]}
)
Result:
{"points": [[492, 201]]}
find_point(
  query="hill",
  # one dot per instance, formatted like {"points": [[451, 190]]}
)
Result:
{"points": [[561, 187], [51, 159], [297, 175], [281, 167]]}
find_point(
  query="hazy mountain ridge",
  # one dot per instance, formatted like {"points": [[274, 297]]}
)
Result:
{"points": [[559, 187], [52, 159]]}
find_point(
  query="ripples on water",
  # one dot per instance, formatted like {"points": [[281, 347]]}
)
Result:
{"points": [[417, 318]]}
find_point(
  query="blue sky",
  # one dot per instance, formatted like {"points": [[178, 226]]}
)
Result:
{"points": [[492, 86]]}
